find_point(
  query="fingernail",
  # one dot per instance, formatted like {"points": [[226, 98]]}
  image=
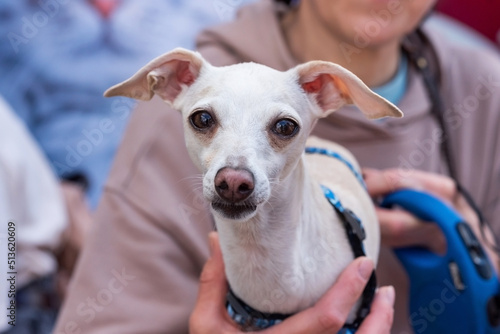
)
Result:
{"points": [[389, 294], [365, 268]]}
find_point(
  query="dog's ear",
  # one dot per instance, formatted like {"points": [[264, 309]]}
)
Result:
{"points": [[332, 86], [166, 76]]}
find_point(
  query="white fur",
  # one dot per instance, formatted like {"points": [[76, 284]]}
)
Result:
{"points": [[283, 256]]}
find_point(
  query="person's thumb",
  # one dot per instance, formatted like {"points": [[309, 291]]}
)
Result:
{"points": [[213, 284], [209, 311]]}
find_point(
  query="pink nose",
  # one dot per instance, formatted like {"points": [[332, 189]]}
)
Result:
{"points": [[234, 185]]}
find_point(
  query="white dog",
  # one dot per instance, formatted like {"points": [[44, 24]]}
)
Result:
{"points": [[246, 128]]}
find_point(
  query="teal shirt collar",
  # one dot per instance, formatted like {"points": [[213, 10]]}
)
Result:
{"points": [[395, 89]]}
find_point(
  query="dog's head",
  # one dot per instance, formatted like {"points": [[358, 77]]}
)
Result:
{"points": [[246, 125]]}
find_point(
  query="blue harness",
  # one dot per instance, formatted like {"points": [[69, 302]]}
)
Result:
{"points": [[250, 319]]}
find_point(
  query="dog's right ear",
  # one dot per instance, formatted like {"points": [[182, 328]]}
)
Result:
{"points": [[332, 86], [166, 76]]}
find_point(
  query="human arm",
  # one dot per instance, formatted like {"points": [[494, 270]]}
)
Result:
{"points": [[30, 198]]}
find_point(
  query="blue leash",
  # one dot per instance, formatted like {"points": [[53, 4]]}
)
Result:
{"points": [[457, 292], [337, 156]]}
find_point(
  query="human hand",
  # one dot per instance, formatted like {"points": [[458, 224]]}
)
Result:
{"points": [[328, 315], [400, 228]]}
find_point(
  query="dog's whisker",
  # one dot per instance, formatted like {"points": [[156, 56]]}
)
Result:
{"points": [[192, 178]]}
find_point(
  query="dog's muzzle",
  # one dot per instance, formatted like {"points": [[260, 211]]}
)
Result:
{"points": [[234, 211], [234, 187]]}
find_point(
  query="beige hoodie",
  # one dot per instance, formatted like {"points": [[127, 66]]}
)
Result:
{"points": [[139, 270]]}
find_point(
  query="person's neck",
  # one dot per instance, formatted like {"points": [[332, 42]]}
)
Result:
{"points": [[309, 40]]}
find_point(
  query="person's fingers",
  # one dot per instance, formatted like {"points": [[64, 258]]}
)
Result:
{"points": [[329, 314], [382, 182], [209, 314], [399, 228], [381, 315], [213, 284], [437, 184]]}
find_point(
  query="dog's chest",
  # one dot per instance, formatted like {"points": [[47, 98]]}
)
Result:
{"points": [[283, 269]]}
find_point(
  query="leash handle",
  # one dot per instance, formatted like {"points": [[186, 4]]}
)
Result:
{"points": [[457, 292]]}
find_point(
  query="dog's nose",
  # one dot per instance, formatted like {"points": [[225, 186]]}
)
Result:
{"points": [[234, 185]]}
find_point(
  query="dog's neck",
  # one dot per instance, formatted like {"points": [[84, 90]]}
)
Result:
{"points": [[279, 249]]}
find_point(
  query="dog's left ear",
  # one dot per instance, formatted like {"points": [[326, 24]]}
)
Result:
{"points": [[332, 87], [166, 76]]}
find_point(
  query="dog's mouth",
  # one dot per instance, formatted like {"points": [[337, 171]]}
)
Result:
{"points": [[234, 211]]}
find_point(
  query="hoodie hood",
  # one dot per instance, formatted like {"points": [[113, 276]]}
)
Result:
{"points": [[254, 36]]}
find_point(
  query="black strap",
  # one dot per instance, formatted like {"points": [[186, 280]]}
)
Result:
{"points": [[366, 302], [242, 308], [356, 235], [423, 57]]}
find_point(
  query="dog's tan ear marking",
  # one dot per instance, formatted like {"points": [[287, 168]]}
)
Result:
{"points": [[165, 76], [332, 86]]}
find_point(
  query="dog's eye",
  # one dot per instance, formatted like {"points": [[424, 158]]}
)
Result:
{"points": [[201, 120], [285, 128]]}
